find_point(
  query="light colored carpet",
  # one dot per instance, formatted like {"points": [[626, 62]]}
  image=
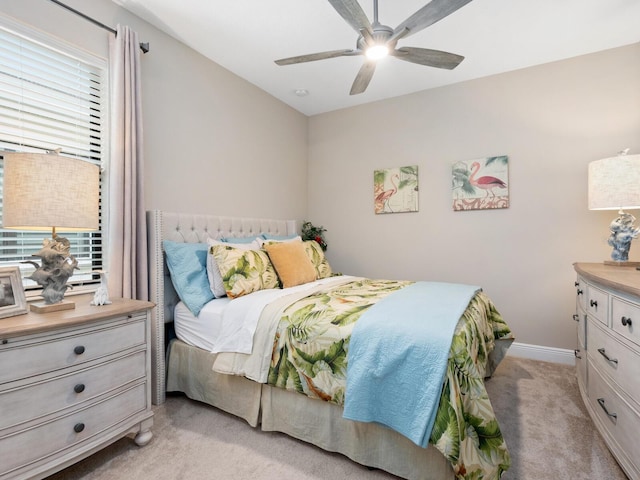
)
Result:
{"points": [[543, 419]]}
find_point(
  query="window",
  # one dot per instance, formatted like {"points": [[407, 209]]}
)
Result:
{"points": [[52, 96]]}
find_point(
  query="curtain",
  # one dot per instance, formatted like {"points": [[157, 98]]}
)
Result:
{"points": [[126, 223]]}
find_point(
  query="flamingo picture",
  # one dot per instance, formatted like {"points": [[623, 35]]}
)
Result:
{"points": [[474, 191], [401, 195], [383, 197], [486, 183]]}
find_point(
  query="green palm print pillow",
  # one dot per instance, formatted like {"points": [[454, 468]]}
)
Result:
{"points": [[244, 271], [316, 255]]}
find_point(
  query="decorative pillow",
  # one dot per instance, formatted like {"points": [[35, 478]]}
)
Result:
{"points": [[244, 271], [267, 241], [238, 239], [319, 261], [268, 236], [213, 272], [187, 264], [291, 262]]}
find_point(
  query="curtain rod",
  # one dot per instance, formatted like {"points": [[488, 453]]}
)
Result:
{"points": [[143, 46]]}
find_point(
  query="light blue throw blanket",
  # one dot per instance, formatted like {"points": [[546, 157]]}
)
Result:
{"points": [[398, 354]]}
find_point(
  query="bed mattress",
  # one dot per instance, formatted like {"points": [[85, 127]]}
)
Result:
{"points": [[200, 331]]}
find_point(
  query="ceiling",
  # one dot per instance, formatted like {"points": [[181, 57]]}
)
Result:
{"points": [[494, 36]]}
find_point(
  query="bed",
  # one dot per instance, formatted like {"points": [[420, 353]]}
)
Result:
{"points": [[275, 397]]}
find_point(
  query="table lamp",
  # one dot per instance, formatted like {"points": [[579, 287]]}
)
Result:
{"points": [[614, 184], [44, 192]]}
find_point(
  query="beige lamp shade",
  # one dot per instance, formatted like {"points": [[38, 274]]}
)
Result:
{"points": [[45, 191], [614, 183]]}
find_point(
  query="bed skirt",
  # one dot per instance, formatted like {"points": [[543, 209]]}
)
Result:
{"points": [[310, 420], [189, 371]]}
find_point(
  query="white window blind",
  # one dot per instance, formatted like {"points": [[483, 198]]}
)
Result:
{"points": [[52, 96]]}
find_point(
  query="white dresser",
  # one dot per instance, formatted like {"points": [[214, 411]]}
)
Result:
{"points": [[71, 383], [608, 356]]}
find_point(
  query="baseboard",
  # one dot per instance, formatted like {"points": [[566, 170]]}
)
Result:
{"points": [[544, 354]]}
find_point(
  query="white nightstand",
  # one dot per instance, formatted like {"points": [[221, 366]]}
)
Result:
{"points": [[71, 383]]}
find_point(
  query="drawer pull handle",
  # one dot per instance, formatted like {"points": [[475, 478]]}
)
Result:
{"points": [[576, 317], [593, 303], [602, 352], [610, 415], [79, 388], [576, 284], [576, 352], [78, 427], [626, 321], [79, 350], [579, 292]]}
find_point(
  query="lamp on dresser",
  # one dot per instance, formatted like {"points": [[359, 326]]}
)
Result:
{"points": [[43, 192], [614, 184]]}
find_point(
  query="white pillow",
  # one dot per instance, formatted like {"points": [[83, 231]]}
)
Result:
{"points": [[262, 241], [213, 272]]}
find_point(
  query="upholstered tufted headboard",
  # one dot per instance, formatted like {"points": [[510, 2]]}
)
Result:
{"points": [[188, 228]]}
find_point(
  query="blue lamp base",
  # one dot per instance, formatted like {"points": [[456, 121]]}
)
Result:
{"points": [[622, 230]]}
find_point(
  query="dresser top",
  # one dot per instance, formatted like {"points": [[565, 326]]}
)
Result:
{"points": [[624, 279], [84, 312]]}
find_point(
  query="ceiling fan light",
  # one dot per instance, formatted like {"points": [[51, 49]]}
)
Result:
{"points": [[377, 52]]}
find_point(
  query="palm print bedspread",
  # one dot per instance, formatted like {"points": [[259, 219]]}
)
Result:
{"points": [[310, 357]]}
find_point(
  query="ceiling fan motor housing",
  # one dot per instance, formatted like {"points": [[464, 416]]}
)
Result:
{"points": [[381, 34]]}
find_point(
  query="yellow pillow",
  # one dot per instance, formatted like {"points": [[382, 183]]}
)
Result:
{"points": [[291, 262]]}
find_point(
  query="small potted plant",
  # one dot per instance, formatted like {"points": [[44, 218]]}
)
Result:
{"points": [[311, 232]]}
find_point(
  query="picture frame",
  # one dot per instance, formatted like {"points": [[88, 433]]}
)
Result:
{"points": [[12, 298], [395, 190], [490, 190]]}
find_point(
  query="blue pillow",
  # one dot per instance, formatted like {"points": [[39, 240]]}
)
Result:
{"points": [[237, 239], [187, 263], [268, 236]]}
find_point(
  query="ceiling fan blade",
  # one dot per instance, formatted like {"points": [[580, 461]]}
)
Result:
{"points": [[312, 57], [428, 15], [428, 57], [353, 14], [363, 78]]}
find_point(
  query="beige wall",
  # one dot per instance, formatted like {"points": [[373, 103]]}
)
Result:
{"points": [[550, 120], [213, 143]]}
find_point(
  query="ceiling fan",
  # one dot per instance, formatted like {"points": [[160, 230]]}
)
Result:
{"points": [[376, 41]]}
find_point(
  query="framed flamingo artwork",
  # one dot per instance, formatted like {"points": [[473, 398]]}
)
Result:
{"points": [[481, 184], [395, 190]]}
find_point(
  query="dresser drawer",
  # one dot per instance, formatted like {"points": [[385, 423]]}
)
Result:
{"points": [[625, 319], [581, 327], [622, 423], [622, 365], [57, 394], [581, 294], [597, 304], [581, 367], [28, 446], [53, 353]]}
